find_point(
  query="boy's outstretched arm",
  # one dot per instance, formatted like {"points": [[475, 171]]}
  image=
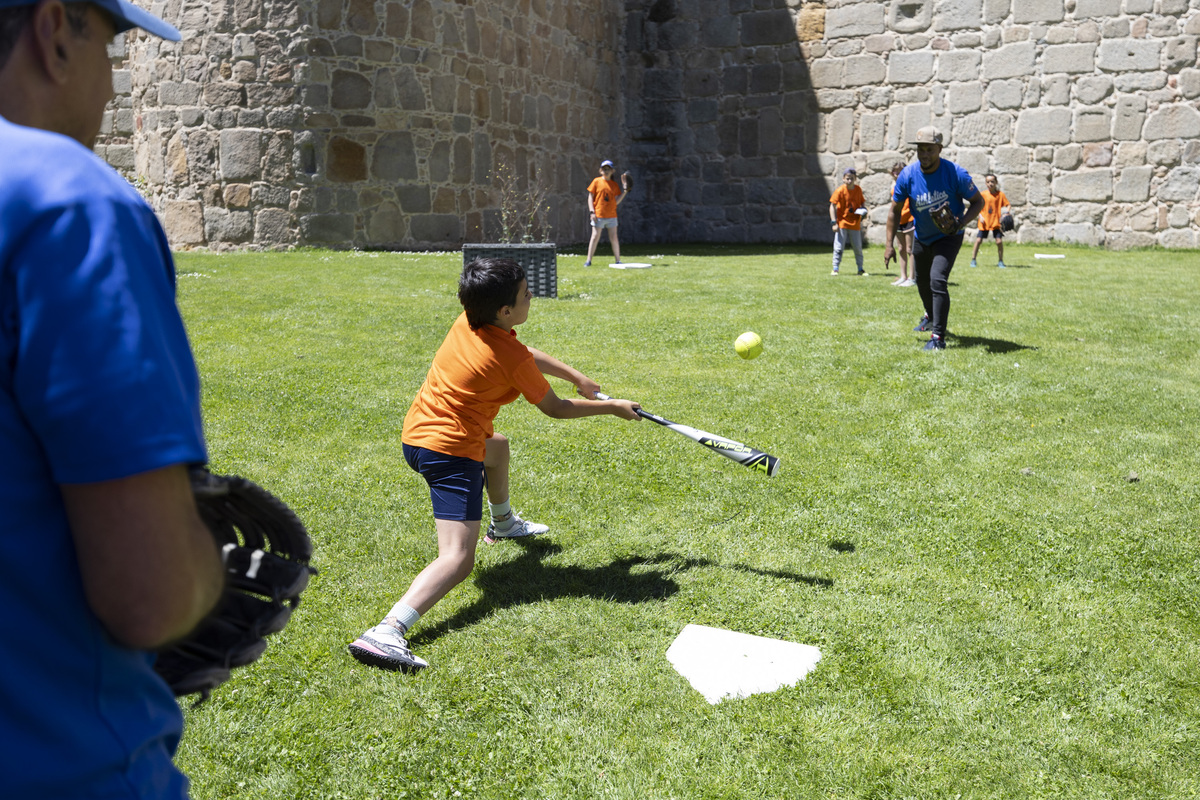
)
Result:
{"points": [[549, 365], [565, 408]]}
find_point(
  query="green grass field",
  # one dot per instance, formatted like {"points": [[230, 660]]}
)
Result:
{"points": [[995, 547]]}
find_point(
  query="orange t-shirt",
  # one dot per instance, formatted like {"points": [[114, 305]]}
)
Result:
{"points": [[993, 204], [473, 375], [846, 201], [906, 217], [604, 196]]}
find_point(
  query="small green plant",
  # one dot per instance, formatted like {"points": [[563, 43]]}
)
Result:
{"points": [[523, 210]]}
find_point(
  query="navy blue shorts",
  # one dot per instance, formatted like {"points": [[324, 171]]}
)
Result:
{"points": [[996, 234], [455, 483]]}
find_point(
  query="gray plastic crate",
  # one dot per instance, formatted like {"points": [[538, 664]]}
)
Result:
{"points": [[540, 262]]}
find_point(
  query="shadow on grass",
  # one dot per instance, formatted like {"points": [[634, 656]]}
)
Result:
{"points": [[528, 579], [997, 346]]}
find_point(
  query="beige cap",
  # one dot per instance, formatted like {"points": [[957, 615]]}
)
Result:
{"points": [[928, 135]]}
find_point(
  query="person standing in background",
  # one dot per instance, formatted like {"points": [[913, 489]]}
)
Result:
{"points": [[845, 206]]}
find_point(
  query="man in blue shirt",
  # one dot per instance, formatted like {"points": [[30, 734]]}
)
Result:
{"points": [[103, 557], [929, 184]]}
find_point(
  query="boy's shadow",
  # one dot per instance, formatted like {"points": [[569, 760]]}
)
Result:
{"points": [[527, 579]]}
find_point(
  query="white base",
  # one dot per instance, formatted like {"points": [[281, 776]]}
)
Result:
{"points": [[1047, 255], [721, 664], [630, 265]]}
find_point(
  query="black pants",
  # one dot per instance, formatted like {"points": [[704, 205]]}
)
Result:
{"points": [[933, 264]]}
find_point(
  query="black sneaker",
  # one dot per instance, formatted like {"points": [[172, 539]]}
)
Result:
{"points": [[923, 325], [935, 343]]}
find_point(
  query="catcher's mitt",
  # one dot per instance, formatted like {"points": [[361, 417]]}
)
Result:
{"points": [[265, 550], [945, 220], [1007, 223], [626, 181]]}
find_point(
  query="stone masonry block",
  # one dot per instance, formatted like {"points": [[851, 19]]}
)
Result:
{"points": [[1133, 185], [1097, 9], [1044, 126], [910, 17], [986, 128], [1069, 58], [1008, 159], [864, 71], [183, 220], [1093, 124], [1088, 185], [1189, 81], [963, 98], [775, 27], [1129, 55], [959, 65], [1129, 118], [852, 21], [1005, 94], [1180, 121], [1180, 186], [954, 15], [1093, 88], [1180, 52], [1038, 11], [1010, 61], [240, 154], [910, 67], [872, 130]]}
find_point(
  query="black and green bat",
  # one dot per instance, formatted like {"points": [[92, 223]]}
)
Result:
{"points": [[743, 454]]}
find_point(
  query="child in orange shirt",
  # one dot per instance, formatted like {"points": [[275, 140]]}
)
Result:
{"points": [[844, 207], [604, 195], [449, 439], [906, 230], [994, 203]]}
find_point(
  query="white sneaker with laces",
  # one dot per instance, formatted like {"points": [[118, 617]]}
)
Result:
{"points": [[385, 647], [519, 529]]}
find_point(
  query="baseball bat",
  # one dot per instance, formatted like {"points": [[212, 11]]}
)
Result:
{"points": [[743, 454]]}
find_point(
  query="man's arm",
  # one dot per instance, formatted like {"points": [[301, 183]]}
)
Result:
{"points": [[976, 205], [150, 567], [889, 236]]}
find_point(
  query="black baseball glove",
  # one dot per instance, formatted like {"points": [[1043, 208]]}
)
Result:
{"points": [[265, 550], [1007, 223], [626, 181], [945, 220]]}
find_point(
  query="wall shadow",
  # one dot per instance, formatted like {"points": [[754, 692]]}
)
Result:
{"points": [[635, 579], [723, 124]]}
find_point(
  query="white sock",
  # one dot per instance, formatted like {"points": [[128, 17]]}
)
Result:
{"points": [[402, 617], [501, 515]]}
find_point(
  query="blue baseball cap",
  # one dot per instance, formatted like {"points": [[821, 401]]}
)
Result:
{"points": [[606, 163], [125, 15]]}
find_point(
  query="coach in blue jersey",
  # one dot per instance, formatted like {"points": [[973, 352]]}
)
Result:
{"points": [[929, 184], [103, 557]]}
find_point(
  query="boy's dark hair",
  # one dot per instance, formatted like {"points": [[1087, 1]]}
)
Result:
{"points": [[987, 175], [486, 286]]}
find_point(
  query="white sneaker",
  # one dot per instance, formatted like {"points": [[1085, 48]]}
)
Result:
{"points": [[383, 646], [519, 529], [909, 282]]}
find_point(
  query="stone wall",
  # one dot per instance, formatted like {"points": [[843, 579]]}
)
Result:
{"points": [[1085, 109], [379, 123], [363, 123]]}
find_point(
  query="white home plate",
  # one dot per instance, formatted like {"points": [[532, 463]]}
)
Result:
{"points": [[720, 664], [630, 265]]}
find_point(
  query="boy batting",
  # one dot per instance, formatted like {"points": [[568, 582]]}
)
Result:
{"points": [[448, 438]]}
